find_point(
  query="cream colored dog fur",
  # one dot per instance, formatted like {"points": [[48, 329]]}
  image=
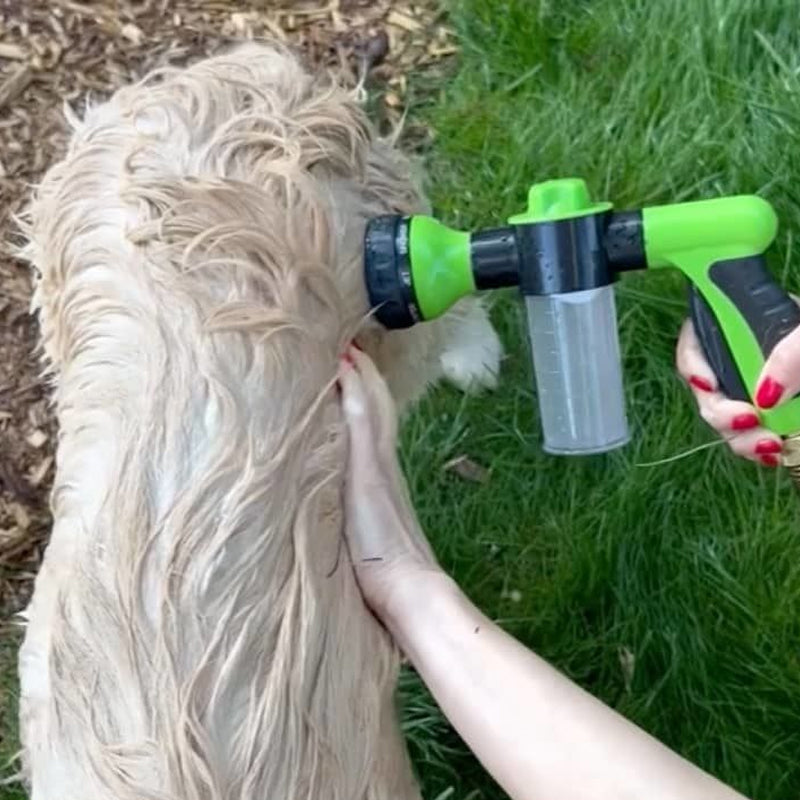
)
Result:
{"points": [[196, 632]]}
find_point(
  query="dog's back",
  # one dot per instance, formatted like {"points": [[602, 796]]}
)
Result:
{"points": [[196, 632]]}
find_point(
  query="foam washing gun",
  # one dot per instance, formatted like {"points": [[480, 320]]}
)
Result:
{"points": [[565, 253]]}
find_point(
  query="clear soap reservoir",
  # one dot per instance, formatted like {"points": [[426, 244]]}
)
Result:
{"points": [[576, 359]]}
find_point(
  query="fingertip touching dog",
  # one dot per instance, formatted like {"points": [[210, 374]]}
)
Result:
{"points": [[196, 632]]}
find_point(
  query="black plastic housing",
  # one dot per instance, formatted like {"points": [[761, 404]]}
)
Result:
{"points": [[387, 272]]}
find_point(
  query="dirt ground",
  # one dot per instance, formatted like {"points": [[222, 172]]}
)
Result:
{"points": [[57, 51]]}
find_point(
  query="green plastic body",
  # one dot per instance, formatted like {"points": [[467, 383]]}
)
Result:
{"points": [[693, 236], [441, 271]]}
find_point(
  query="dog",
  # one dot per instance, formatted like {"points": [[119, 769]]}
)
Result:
{"points": [[195, 631]]}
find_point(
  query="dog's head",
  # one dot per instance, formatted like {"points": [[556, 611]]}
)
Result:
{"points": [[249, 159], [310, 142]]}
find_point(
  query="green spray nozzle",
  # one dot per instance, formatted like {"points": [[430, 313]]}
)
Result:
{"points": [[447, 276], [565, 251]]}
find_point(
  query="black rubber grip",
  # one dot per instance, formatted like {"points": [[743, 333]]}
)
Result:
{"points": [[767, 309]]}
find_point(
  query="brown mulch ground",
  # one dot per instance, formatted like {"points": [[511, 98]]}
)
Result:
{"points": [[57, 51]]}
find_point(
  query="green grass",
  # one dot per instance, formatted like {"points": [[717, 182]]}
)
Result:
{"points": [[691, 567], [8, 712]]}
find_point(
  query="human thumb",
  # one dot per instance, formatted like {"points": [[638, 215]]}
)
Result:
{"points": [[355, 405]]}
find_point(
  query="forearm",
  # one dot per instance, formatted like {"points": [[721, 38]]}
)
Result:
{"points": [[535, 731]]}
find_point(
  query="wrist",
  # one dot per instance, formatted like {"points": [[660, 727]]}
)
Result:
{"points": [[416, 603]]}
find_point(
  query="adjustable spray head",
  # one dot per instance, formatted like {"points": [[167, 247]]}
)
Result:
{"points": [[565, 253]]}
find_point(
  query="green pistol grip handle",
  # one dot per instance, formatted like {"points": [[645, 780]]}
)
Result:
{"points": [[739, 311]]}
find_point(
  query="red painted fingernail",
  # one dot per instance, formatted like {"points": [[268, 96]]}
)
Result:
{"points": [[770, 461], [767, 447], [701, 383], [743, 422], [769, 392]]}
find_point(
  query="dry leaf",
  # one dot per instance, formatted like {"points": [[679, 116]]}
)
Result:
{"points": [[12, 51], [15, 84], [9, 537], [274, 28], [133, 33], [469, 470], [39, 473], [443, 33], [404, 21], [392, 100], [36, 439], [21, 516], [441, 51], [338, 23], [243, 23]]}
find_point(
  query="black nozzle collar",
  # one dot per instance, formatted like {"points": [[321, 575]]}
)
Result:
{"points": [[387, 272]]}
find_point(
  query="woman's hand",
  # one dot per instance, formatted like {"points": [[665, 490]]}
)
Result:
{"points": [[391, 556], [736, 421]]}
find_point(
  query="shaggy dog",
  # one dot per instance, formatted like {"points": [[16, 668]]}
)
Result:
{"points": [[196, 632]]}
